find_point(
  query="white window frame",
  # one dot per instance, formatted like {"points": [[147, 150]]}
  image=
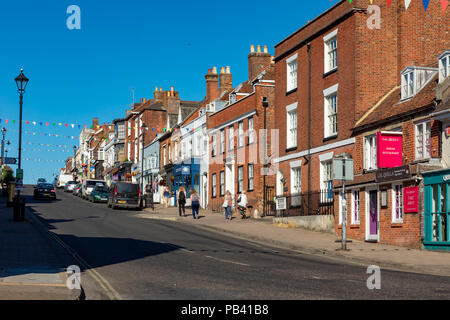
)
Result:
{"points": [[355, 221], [426, 140], [222, 141], [231, 138], [370, 152], [251, 177], [291, 73], [444, 66], [291, 126], [329, 94], [213, 145], [394, 200], [328, 40], [214, 185], [408, 84], [296, 180], [326, 174], [240, 179], [222, 183], [241, 140], [251, 130]]}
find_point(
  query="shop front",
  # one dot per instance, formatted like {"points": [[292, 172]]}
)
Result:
{"points": [[187, 174], [437, 210]]}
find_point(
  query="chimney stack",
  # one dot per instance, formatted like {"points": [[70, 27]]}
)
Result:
{"points": [[94, 123], [258, 61], [225, 80], [212, 85]]}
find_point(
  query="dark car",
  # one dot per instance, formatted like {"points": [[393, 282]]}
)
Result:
{"points": [[44, 191], [124, 195], [41, 180], [99, 194]]}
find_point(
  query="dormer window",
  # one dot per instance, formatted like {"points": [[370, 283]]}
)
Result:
{"points": [[444, 66], [415, 79]]}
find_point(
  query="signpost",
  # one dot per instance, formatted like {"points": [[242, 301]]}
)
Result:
{"points": [[10, 160], [343, 171], [281, 203]]}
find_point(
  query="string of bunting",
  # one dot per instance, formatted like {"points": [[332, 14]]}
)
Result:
{"points": [[56, 124], [444, 4], [39, 150]]}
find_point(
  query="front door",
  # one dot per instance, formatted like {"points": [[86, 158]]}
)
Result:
{"points": [[373, 215]]}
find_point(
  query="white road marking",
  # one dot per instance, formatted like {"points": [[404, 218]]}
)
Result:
{"points": [[228, 261]]}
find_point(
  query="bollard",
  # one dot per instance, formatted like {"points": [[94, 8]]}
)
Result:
{"points": [[18, 209]]}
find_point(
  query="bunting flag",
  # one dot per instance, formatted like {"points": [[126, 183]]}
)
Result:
{"points": [[444, 5], [425, 4], [388, 3], [407, 3]]}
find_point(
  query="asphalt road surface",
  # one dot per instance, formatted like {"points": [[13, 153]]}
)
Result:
{"points": [[123, 256]]}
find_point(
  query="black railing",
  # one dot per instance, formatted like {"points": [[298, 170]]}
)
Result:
{"points": [[308, 204]]}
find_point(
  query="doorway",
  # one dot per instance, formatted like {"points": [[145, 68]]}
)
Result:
{"points": [[372, 215]]}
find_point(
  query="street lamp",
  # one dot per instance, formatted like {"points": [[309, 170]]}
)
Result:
{"points": [[3, 144], [21, 82]]}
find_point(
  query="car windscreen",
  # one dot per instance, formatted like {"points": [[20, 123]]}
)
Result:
{"points": [[45, 186], [127, 188], [101, 189], [94, 183]]}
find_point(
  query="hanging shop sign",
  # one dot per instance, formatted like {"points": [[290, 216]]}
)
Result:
{"points": [[389, 153], [392, 174], [411, 199]]}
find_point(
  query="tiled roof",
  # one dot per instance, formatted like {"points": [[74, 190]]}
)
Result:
{"points": [[390, 105]]}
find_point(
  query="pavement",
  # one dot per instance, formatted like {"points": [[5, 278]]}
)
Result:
{"points": [[312, 242], [32, 265]]}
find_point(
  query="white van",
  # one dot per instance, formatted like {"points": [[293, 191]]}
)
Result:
{"points": [[63, 179]]}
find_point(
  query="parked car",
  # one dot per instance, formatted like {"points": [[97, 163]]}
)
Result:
{"points": [[69, 186], [77, 190], [124, 195], [44, 191], [41, 180], [88, 186], [99, 194]]}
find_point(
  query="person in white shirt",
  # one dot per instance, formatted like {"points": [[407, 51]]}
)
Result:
{"points": [[242, 205]]}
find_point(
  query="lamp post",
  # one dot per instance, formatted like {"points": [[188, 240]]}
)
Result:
{"points": [[21, 82], [144, 130], [3, 144]]}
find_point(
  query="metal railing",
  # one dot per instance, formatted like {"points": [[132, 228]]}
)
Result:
{"points": [[309, 204]]}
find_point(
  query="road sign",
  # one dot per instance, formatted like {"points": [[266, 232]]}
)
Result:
{"points": [[343, 169], [19, 185], [10, 160], [19, 174]]}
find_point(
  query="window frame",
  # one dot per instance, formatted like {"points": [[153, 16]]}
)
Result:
{"points": [[291, 78], [327, 40], [240, 170], [291, 126], [326, 168], [251, 177], [214, 185], [222, 183], [355, 221], [396, 219], [241, 135], [368, 165], [444, 69], [426, 147], [251, 130], [231, 138], [296, 180], [222, 141]]}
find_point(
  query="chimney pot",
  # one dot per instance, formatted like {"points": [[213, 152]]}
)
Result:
{"points": [[266, 50], [252, 48], [215, 70], [228, 70], [160, 89], [222, 70], [258, 48]]}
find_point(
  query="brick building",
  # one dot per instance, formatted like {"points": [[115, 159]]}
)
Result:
{"points": [[336, 78], [235, 162]]}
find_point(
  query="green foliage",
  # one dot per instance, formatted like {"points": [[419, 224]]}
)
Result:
{"points": [[7, 176]]}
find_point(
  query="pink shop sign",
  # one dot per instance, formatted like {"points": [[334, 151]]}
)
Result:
{"points": [[411, 199], [389, 149]]}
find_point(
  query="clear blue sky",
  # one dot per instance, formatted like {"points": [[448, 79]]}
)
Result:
{"points": [[76, 75]]}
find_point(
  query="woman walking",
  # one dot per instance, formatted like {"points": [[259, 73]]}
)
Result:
{"points": [[195, 203], [166, 196], [182, 201], [227, 205]]}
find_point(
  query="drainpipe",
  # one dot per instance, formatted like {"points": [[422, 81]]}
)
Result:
{"points": [[309, 126], [265, 104]]}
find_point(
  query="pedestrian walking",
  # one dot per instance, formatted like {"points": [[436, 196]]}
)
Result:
{"points": [[182, 201], [242, 204], [195, 203], [227, 205], [166, 196]]}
